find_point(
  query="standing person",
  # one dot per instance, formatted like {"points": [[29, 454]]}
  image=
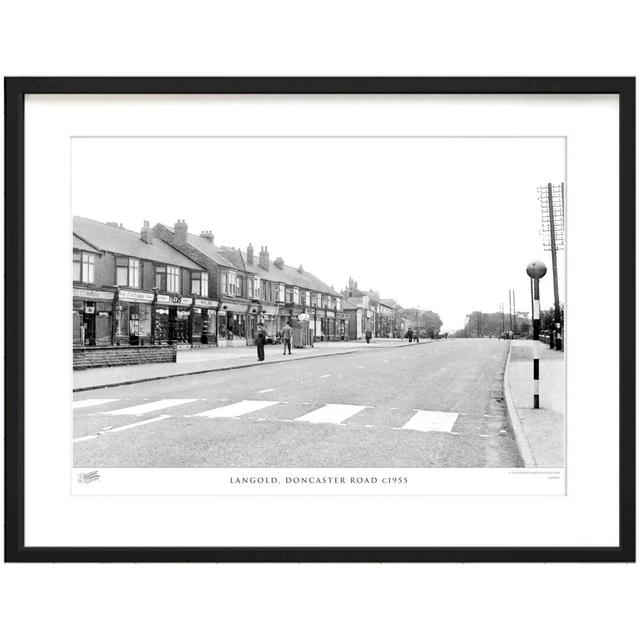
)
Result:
{"points": [[410, 334], [287, 332], [367, 335], [261, 339]]}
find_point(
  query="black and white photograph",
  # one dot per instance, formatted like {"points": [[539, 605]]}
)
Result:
{"points": [[325, 312], [318, 302]]}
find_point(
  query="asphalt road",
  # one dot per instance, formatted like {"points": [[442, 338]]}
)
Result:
{"points": [[428, 405]]}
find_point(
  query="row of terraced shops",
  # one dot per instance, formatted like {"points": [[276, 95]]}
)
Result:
{"points": [[164, 286]]}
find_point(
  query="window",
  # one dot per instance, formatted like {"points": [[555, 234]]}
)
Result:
{"points": [[168, 278], [296, 295], [200, 283], [250, 285], [77, 266], [314, 299], [307, 298], [240, 285], [280, 293], [173, 279], [83, 267], [288, 294], [338, 304], [128, 272]]}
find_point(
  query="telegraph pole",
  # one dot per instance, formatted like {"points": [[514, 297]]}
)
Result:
{"points": [[510, 324], [515, 323], [552, 203]]}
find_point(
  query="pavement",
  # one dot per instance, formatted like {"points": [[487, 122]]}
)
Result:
{"points": [[540, 433], [437, 404], [202, 360]]}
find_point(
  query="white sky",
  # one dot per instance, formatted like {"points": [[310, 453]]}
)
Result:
{"points": [[447, 224]]}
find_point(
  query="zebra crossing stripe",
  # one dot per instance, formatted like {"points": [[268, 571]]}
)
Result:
{"points": [[236, 409], [80, 404], [333, 413], [431, 421], [141, 409]]}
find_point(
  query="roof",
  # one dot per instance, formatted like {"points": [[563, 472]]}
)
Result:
{"points": [[232, 258], [205, 246], [122, 241], [80, 245], [347, 305], [288, 275], [388, 302]]}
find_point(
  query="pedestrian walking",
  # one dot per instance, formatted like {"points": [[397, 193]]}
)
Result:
{"points": [[410, 334], [287, 333], [261, 339], [367, 335]]}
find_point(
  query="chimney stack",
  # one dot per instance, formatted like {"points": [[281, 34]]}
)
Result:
{"points": [[180, 232], [264, 258], [279, 262], [208, 235], [145, 233], [250, 254], [300, 269]]}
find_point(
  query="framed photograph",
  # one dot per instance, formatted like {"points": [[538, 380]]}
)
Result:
{"points": [[320, 319]]}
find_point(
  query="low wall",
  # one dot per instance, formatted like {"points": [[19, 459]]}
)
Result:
{"points": [[88, 357]]}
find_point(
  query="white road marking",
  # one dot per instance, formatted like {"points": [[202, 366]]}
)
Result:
{"points": [[84, 438], [80, 404], [326, 375], [266, 390], [141, 409], [236, 409], [333, 413], [431, 421], [123, 428]]}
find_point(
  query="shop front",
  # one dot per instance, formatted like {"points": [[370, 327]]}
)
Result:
{"points": [[133, 317], [92, 317], [269, 318], [205, 323], [172, 320], [233, 325], [330, 330]]}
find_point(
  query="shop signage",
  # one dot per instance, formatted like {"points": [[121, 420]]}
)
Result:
{"points": [[270, 311], [162, 299], [235, 308], [90, 309], [136, 296], [304, 317], [201, 302], [92, 294], [331, 314], [103, 314]]}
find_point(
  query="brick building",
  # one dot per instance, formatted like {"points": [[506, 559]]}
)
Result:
{"points": [[133, 289], [252, 288]]}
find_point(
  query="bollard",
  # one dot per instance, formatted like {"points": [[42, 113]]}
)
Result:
{"points": [[536, 270]]}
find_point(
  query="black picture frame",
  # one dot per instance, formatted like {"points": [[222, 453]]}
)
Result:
{"points": [[15, 91]]}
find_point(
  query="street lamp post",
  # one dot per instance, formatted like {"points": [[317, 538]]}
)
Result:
{"points": [[536, 270]]}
